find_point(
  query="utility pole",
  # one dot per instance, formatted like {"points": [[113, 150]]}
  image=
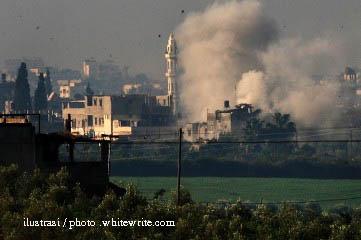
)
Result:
{"points": [[109, 153], [71, 142], [179, 165]]}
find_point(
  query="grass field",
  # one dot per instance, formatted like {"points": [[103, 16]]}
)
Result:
{"points": [[213, 189]]}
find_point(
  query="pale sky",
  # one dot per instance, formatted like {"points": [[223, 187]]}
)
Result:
{"points": [[63, 32]]}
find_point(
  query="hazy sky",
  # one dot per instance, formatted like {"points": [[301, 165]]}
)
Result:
{"points": [[63, 32]]}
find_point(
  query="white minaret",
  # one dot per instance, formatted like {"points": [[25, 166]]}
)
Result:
{"points": [[171, 73]]}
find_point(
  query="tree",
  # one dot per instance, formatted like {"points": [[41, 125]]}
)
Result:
{"points": [[22, 101], [33, 196], [48, 86], [184, 197], [253, 130], [282, 127], [159, 194], [40, 99], [279, 128]]}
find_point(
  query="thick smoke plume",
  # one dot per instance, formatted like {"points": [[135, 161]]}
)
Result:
{"points": [[233, 51]]}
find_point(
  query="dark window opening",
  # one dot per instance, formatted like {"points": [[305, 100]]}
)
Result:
{"points": [[89, 101], [90, 120], [125, 123]]}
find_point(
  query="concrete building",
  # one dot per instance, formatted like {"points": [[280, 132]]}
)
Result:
{"points": [[115, 115], [220, 122], [103, 75], [349, 90], [68, 88], [163, 100], [350, 75], [199, 131], [131, 88], [89, 68], [102, 70]]}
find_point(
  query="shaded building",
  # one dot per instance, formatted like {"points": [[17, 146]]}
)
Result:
{"points": [[86, 160], [7, 91], [225, 121], [350, 75], [89, 68]]}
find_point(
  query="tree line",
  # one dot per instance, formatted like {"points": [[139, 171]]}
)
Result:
{"points": [[22, 102], [262, 146], [38, 196]]}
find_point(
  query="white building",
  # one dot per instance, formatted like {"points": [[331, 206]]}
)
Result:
{"points": [[171, 73], [68, 88], [350, 74], [95, 116], [89, 68], [116, 115]]}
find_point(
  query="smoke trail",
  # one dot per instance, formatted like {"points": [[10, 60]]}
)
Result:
{"points": [[288, 67], [234, 45], [217, 46]]}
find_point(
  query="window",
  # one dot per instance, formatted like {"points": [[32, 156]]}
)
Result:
{"points": [[95, 101], [101, 121], [96, 121], [90, 120], [89, 101], [125, 123], [101, 102]]}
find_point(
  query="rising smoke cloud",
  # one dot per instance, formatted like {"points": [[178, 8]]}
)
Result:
{"points": [[233, 51]]}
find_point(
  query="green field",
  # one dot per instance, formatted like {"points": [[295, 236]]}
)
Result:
{"points": [[213, 189]]}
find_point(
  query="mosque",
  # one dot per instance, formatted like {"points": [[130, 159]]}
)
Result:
{"points": [[126, 115]]}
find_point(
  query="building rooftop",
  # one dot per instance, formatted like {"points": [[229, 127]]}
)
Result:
{"points": [[349, 71]]}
